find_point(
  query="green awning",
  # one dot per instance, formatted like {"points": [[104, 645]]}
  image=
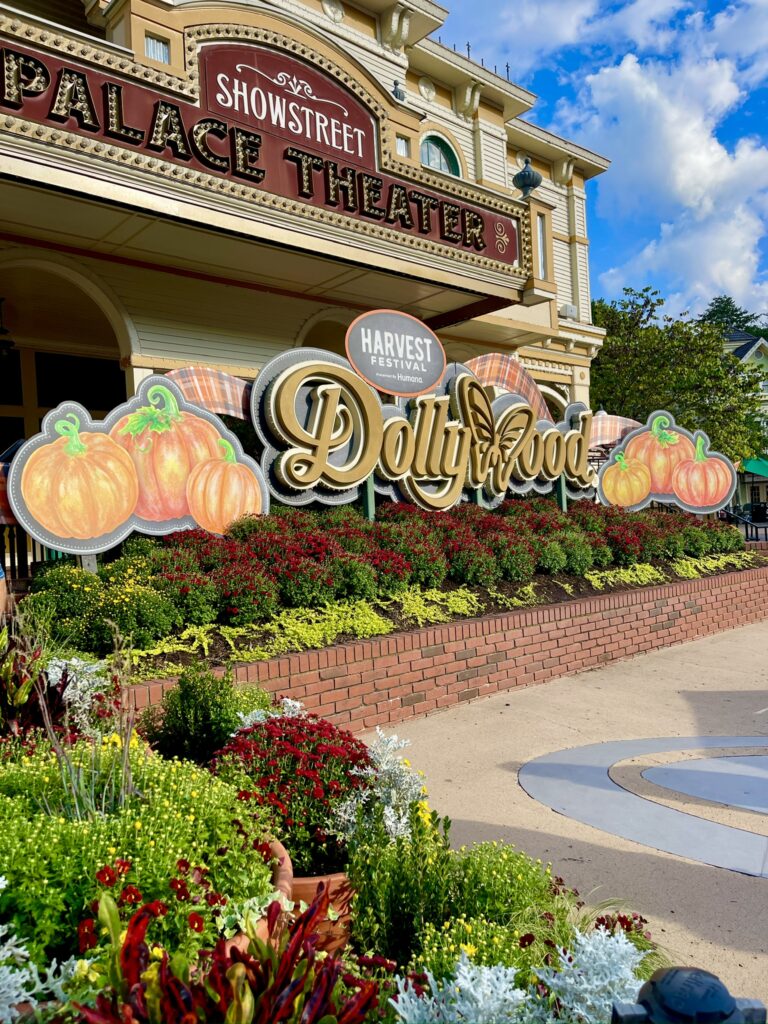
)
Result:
{"points": [[757, 466]]}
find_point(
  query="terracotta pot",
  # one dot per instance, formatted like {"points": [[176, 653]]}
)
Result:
{"points": [[333, 935], [282, 881]]}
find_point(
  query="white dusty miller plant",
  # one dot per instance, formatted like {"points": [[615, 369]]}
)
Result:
{"points": [[287, 709], [392, 784], [20, 981], [598, 972], [85, 682], [480, 995]]}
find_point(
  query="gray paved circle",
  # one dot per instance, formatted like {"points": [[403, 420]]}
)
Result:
{"points": [[576, 783]]}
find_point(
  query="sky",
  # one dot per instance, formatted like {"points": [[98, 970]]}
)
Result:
{"points": [[675, 94]]}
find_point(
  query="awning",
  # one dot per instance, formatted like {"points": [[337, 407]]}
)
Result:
{"points": [[757, 466]]}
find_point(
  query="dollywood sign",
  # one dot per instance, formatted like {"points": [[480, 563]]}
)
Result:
{"points": [[160, 463]]}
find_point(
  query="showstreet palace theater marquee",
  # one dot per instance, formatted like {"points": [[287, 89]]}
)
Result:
{"points": [[184, 183]]}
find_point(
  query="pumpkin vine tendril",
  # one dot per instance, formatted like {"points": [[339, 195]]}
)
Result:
{"points": [[158, 417], [64, 428], [664, 437]]}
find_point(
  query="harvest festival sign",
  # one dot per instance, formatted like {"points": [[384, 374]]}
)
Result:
{"points": [[159, 463]]}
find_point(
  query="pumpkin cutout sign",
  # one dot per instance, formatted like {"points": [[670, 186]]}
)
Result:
{"points": [[82, 486], [165, 444], [665, 463]]}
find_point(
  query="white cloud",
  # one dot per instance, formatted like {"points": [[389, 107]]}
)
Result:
{"points": [[537, 30], [698, 258], [657, 81], [658, 119]]}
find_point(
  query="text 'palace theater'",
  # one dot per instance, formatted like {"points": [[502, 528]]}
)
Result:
{"points": [[186, 183]]}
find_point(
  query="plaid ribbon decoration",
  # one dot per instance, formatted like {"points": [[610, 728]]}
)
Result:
{"points": [[609, 430], [7, 517], [214, 390], [508, 373]]}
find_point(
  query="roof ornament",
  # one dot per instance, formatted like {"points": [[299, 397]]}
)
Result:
{"points": [[527, 179]]}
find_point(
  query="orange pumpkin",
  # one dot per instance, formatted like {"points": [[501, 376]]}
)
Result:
{"points": [[222, 490], [81, 486], [702, 481], [627, 482], [661, 450], [165, 445]]}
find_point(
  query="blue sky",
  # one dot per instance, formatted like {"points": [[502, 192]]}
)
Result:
{"points": [[676, 95]]}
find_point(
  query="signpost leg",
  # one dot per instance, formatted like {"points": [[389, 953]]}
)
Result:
{"points": [[369, 499], [89, 563], [562, 497]]}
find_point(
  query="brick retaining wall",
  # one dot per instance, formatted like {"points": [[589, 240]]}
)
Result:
{"points": [[377, 682]]}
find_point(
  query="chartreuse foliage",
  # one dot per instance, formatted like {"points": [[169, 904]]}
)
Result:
{"points": [[63, 820]]}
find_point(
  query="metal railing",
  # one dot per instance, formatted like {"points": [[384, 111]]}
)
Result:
{"points": [[751, 530]]}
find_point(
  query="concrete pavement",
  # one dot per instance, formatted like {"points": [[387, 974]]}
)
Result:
{"points": [[711, 917]]}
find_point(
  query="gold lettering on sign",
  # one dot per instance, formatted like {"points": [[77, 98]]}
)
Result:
{"points": [[447, 445], [345, 415]]}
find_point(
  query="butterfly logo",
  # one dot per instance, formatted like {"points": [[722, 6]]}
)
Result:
{"points": [[496, 444]]}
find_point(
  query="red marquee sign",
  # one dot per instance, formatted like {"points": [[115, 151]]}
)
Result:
{"points": [[265, 118]]}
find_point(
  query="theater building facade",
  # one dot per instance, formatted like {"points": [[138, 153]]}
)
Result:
{"points": [[186, 183]]}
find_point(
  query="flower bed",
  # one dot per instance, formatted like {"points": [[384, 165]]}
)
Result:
{"points": [[300, 579], [137, 867]]}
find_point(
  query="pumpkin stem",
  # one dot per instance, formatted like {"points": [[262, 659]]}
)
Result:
{"points": [[71, 430], [158, 417], [170, 407], [664, 437], [229, 451], [701, 454], [621, 461]]}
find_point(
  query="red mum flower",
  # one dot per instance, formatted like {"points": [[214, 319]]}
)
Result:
{"points": [[182, 866], [527, 940], [122, 866], [196, 923], [106, 876]]}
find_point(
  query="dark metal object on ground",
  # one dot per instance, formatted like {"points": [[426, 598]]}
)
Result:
{"points": [[687, 995]]}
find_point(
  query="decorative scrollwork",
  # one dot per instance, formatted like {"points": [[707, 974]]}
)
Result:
{"points": [[294, 85], [502, 238]]}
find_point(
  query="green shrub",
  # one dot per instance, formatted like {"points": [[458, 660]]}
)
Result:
{"points": [[249, 525], [195, 718], [474, 565], [725, 539], [353, 578], [578, 553], [401, 885], [601, 555], [696, 541], [553, 558]]}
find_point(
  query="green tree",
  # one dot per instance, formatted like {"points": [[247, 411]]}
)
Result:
{"points": [[725, 314], [650, 361]]}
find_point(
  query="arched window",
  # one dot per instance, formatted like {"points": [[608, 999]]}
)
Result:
{"points": [[437, 154]]}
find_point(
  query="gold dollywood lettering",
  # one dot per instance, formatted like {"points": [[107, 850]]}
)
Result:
{"points": [[447, 445]]}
